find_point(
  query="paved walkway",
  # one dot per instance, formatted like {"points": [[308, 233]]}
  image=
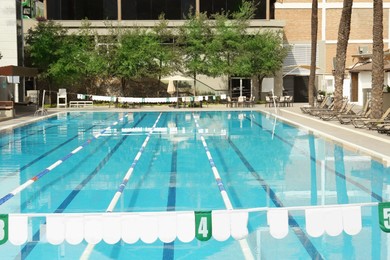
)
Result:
{"points": [[369, 141], [377, 145]]}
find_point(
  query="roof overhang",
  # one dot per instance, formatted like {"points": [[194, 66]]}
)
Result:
{"points": [[18, 71], [368, 67]]}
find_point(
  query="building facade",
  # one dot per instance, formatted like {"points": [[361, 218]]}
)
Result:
{"points": [[11, 47], [297, 17], [291, 16], [145, 13]]}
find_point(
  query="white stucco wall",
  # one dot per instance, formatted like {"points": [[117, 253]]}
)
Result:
{"points": [[8, 39], [364, 83]]}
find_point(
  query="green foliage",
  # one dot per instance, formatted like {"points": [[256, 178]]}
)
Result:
{"points": [[224, 47], [80, 59], [216, 47], [263, 54], [137, 53], [193, 38], [166, 53], [43, 43]]}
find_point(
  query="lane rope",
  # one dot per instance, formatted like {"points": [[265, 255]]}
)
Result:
{"points": [[88, 250], [57, 163], [243, 242]]}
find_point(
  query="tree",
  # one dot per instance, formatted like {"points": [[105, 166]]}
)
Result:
{"points": [[223, 47], [136, 55], [226, 49], [166, 54], [341, 51], [193, 37], [42, 45], [377, 60], [263, 56], [313, 61], [81, 61]]}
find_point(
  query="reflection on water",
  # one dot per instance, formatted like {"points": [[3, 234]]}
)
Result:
{"points": [[261, 161]]}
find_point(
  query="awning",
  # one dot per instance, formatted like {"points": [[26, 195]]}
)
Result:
{"points": [[18, 71], [368, 67]]}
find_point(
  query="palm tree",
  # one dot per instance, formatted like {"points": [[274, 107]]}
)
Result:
{"points": [[313, 66], [377, 60], [341, 52]]}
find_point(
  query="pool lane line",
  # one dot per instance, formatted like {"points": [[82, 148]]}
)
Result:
{"points": [[26, 250], [214, 169], [117, 195], [36, 124], [88, 250], [50, 151], [303, 238], [246, 251], [26, 136], [169, 248], [54, 165], [340, 175]]}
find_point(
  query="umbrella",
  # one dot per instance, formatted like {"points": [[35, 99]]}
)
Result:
{"points": [[172, 78], [171, 88], [176, 78]]}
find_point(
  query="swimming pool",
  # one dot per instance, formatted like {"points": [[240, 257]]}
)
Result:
{"points": [[187, 161]]}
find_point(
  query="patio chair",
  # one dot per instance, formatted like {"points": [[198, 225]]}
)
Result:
{"points": [[364, 113], [281, 101], [229, 102], [250, 102], [372, 123], [241, 101], [289, 101], [268, 101]]}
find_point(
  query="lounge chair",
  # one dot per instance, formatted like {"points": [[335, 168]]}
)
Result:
{"points": [[364, 113], [383, 128], [319, 112], [322, 105], [344, 110], [372, 123]]}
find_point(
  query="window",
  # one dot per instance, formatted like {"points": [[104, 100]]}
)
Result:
{"points": [[82, 9]]}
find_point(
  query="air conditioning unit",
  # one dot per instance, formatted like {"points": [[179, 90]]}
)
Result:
{"points": [[363, 49]]}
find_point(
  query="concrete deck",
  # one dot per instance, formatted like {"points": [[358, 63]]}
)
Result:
{"points": [[368, 141]]}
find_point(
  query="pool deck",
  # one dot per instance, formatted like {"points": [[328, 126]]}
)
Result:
{"points": [[369, 141]]}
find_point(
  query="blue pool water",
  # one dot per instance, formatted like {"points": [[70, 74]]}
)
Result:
{"points": [[262, 163]]}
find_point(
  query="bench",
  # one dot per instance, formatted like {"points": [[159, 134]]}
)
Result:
{"points": [[7, 108], [79, 104]]}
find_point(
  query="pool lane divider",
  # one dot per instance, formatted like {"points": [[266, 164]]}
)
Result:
{"points": [[228, 204], [217, 177], [88, 250], [129, 172], [26, 250], [57, 163]]}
